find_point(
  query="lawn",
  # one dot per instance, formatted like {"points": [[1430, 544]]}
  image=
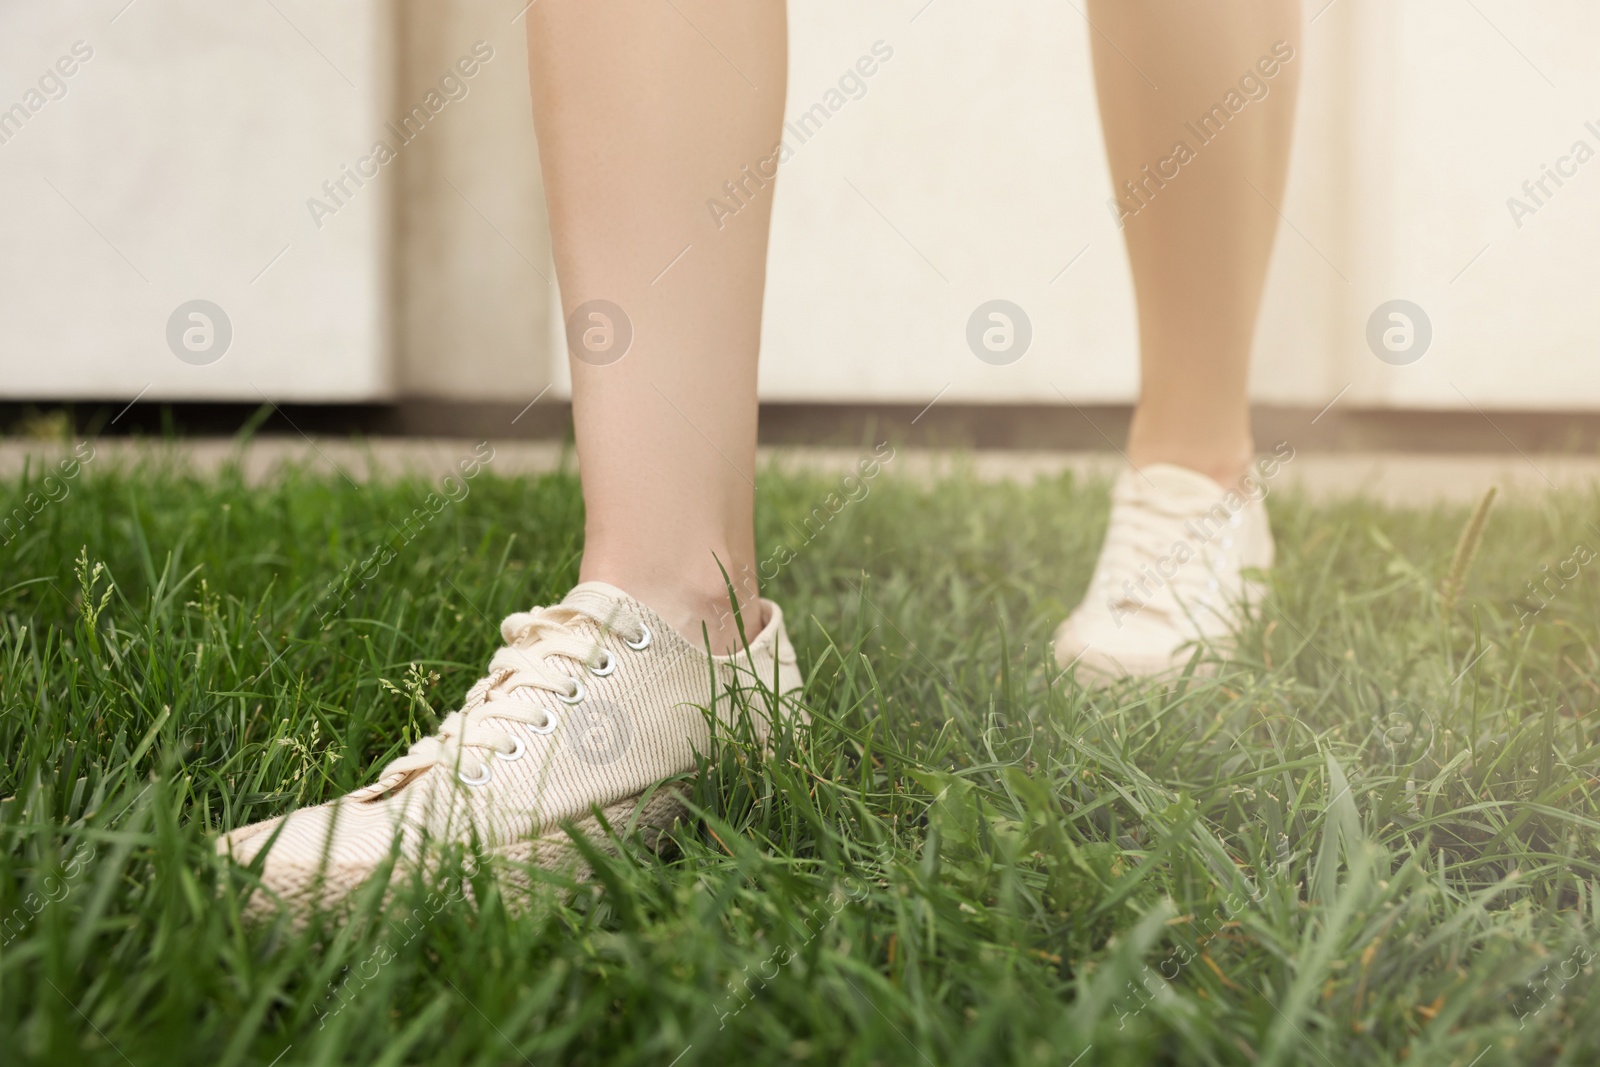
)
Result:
{"points": [[1371, 839]]}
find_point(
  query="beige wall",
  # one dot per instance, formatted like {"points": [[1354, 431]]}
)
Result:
{"points": [[979, 142], [474, 286], [181, 161], [1465, 106], [177, 165]]}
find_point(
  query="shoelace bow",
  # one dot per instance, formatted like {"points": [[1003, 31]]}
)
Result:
{"points": [[1142, 533], [532, 638]]}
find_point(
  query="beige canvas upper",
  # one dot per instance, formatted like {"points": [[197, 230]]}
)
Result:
{"points": [[529, 750], [1172, 574]]}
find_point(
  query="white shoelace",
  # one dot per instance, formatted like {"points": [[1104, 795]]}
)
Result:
{"points": [[533, 639], [1145, 529]]}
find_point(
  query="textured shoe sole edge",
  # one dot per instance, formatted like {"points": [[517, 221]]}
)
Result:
{"points": [[648, 822]]}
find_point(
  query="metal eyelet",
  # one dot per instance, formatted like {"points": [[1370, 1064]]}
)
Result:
{"points": [[466, 779], [609, 664], [644, 639], [578, 694], [515, 754], [546, 727]]}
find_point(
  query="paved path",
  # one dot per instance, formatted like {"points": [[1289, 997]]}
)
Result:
{"points": [[1401, 479]]}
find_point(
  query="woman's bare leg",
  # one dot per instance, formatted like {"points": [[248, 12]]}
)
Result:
{"points": [[641, 120], [1198, 241]]}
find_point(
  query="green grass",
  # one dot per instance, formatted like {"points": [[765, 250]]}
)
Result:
{"points": [[1371, 840]]}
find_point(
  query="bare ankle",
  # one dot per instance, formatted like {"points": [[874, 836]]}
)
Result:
{"points": [[729, 621], [709, 619], [1225, 466], [699, 614]]}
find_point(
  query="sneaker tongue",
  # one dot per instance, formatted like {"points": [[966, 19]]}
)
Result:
{"points": [[1179, 481], [595, 599]]}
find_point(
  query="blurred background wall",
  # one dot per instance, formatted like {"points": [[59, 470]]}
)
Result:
{"points": [[184, 156]]}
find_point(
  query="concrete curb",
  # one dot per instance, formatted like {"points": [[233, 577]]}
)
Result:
{"points": [[1394, 479]]}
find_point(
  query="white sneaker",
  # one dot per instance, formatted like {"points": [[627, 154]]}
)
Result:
{"points": [[592, 702], [1171, 575]]}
